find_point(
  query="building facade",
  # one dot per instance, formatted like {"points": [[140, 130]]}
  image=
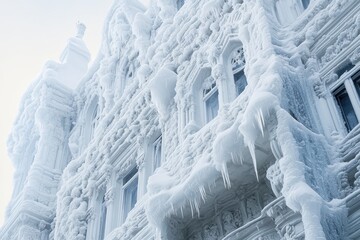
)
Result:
{"points": [[220, 119]]}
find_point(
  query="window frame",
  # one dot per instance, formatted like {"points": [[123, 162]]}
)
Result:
{"points": [[133, 176], [213, 89], [345, 81], [102, 218], [237, 70], [155, 146]]}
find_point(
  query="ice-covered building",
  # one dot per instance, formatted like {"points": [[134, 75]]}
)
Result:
{"points": [[199, 119]]}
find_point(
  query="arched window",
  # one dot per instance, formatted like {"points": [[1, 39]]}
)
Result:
{"points": [[237, 66], [210, 99]]}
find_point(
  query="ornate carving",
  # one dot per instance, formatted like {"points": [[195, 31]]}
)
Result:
{"points": [[276, 178], [252, 207], [331, 78], [355, 57], [238, 59], [211, 232], [289, 232], [343, 40], [231, 220], [320, 89], [344, 183], [218, 72]]}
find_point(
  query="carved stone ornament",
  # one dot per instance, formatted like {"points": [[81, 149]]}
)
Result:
{"points": [[237, 58], [355, 57], [211, 232], [320, 89], [218, 72], [276, 178], [331, 78], [290, 233]]}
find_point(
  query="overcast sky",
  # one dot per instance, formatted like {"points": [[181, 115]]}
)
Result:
{"points": [[32, 32]]}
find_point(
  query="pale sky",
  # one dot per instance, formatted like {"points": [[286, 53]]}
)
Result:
{"points": [[32, 32]]}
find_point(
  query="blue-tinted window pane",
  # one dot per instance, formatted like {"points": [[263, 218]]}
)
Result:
{"points": [[212, 106], [130, 175], [157, 153], [347, 109], [240, 82], [357, 85], [103, 211], [130, 196]]}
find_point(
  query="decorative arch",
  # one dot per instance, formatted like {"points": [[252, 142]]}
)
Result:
{"points": [[194, 112], [232, 60]]}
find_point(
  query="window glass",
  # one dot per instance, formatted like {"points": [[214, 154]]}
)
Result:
{"points": [[212, 106], [157, 153], [240, 82], [237, 65], [130, 187], [347, 110], [357, 85], [102, 219]]}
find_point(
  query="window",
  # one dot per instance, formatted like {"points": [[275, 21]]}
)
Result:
{"points": [[103, 211], [346, 108], [211, 101], [347, 99], [130, 188], [157, 153], [356, 81], [238, 64]]}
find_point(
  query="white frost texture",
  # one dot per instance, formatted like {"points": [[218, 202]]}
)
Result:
{"points": [[198, 120]]}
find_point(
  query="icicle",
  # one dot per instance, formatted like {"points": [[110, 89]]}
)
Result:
{"points": [[253, 156], [197, 208], [225, 176], [192, 208], [241, 159], [261, 122], [182, 211], [232, 157], [202, 193]]}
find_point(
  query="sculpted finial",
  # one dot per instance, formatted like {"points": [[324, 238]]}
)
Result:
{"points": [[80, 29]]}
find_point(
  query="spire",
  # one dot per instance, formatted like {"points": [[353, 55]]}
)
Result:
{"points": [[80, 30], [74, 58]]}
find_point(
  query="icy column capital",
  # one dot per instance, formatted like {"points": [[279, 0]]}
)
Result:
{"points": [[80, 30]]}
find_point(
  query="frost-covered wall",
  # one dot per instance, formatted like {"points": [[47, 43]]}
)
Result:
{"points": [[200, 120]]}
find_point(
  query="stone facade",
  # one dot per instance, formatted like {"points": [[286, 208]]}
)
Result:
{"points": [[220, 119]]}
